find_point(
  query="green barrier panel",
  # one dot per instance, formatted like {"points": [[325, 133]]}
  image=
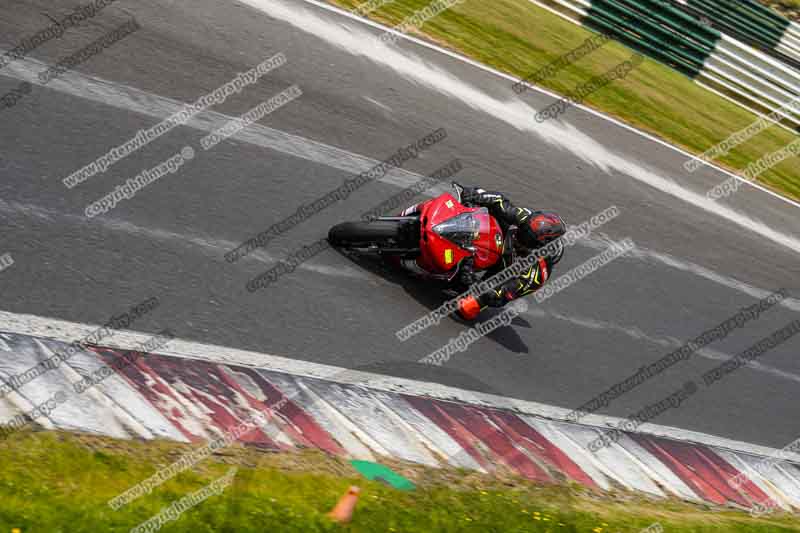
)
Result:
{"points": [[738, 25], [756, 27], [760, 15], [639, 23], [683, 27], [632, 40], [675, 35], [638, 28], [745, 21], [779, 20], [686, 25]]}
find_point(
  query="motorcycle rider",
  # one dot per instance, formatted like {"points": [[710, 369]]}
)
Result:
{"points": [[535, 229]]}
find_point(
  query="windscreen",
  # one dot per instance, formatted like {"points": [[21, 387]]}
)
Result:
{"points": [[465, 228]]}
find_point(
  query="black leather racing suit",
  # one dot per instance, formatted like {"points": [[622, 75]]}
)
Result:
{"points": [[507, 215]]}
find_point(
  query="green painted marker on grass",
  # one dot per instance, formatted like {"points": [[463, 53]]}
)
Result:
{"points": [[378, 472]]}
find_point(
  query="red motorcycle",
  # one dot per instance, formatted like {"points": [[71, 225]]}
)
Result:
{"points": [[436, 239]]}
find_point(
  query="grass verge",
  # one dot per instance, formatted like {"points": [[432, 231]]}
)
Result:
{"points": [[788, 8], [57, 482], [518, 37]]}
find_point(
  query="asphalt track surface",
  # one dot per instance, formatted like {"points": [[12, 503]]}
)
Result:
{"points": [[696, 263]]}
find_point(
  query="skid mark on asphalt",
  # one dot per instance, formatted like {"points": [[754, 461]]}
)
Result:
{"points": [[377, 103], [137, 101], [670, 343], [323, 4], [215, 247], [355, 40], [646, 254]]}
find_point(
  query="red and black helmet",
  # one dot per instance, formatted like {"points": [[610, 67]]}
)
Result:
{"points": [[541, 228]]}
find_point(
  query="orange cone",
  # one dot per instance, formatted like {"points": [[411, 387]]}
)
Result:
{"points": [[343, 510]]}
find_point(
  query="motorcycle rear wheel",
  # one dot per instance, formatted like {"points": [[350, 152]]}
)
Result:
{"points": [[380, 233]]}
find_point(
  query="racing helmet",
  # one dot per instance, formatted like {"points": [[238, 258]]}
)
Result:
{"points": [[542, 228]]}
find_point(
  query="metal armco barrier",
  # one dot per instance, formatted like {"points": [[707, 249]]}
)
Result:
{"points": [[735, 48]]}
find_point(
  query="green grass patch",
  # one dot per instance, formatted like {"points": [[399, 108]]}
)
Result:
{"points": [[786, 8], [788, 4], [517, 37], [55, 482]]}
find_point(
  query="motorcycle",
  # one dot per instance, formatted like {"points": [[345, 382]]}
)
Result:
{"points": [[434, 241]]}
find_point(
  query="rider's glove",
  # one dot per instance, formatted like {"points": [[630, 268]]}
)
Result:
{"points": [[471, 195]]}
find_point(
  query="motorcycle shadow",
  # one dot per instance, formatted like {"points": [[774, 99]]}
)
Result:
{"points": [[432, 294]]}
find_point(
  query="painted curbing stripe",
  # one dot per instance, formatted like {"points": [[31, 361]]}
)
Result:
{"points": [[657, 470], [373, 419], [114, 407], [555, 433], [684, 470], [425, 431], [356, 444], [612, 461], [539, 446], [65, 331], [212, 399], [775, 492], [481, 438], [116, 390]]}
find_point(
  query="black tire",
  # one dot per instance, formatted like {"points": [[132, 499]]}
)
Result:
{"points": [[382, 233]]}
